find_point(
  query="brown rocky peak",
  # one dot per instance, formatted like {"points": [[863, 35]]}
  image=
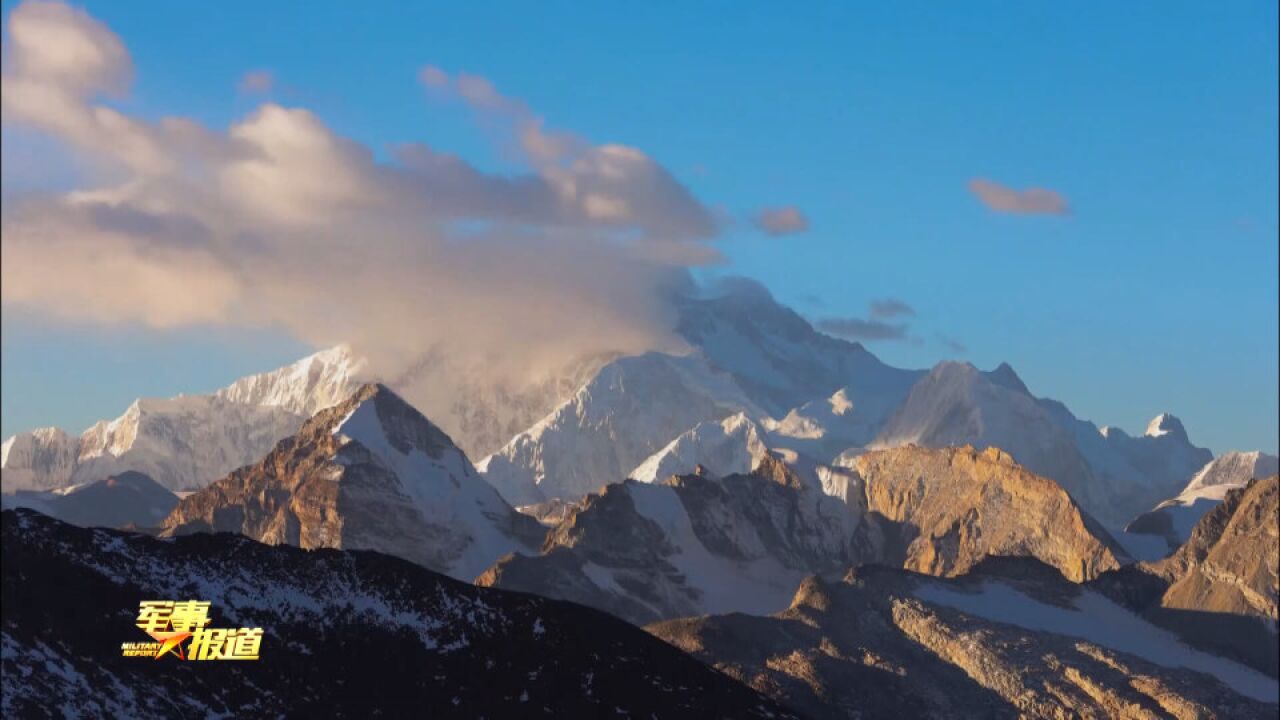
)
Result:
{"points": [[1229, 563], [404, 427], [773, 468], [369, 473], [947, 509]]}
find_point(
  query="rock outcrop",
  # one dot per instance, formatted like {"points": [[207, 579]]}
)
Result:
{"points": [[697, 544], [1174, 519], [369, 473], [1219, 590], [692, 545], [1011, 639], [945, 510], [1230, 563]]}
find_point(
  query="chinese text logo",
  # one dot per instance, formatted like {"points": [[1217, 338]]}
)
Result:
{"points": [[172, 623]]}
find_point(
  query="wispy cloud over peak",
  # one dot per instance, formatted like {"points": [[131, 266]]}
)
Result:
{"points": [[611, 184], [1031, 201], [278, 220]]}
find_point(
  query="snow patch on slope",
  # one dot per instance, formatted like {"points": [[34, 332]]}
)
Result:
{"points": [[756, 587], [1098, 620], [733, 445], [446, 490]]}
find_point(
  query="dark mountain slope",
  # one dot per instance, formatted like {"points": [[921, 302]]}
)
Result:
{"points": [[347, 634]]}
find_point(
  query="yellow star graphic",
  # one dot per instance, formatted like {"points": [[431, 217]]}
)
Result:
{"points": [[171, 641]]}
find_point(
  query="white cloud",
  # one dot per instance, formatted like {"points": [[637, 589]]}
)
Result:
{"points": [[62, 46], [279, 221]]}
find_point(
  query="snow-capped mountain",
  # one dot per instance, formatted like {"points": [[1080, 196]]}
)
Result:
{"points": [[482, 408], [184, 442], [802, 391], [777, 357], [368, 473], [1110, 473], [1174, 519], [688, 546], [304, 388], [806, 440], [694, 544], [633, 407], [733, 445], [822, 429], [747, 354], [1226, 472], [820, 398]]}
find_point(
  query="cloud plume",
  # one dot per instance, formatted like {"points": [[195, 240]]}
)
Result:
{"points": [[278, 221], [1031, 201]]}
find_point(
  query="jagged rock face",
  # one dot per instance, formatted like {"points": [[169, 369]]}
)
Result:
{"points": [[1013, 639], [697, 544], [1229, 565], [129, 498], [1174, 519], [945, 510], [370, 473], [185, 442], [629, 410], [347, 634], [692, 545]]}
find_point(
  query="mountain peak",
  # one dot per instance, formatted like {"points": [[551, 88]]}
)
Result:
{"points": [[317, 381], [1165, 424], [1004, 376], [379, 419]]}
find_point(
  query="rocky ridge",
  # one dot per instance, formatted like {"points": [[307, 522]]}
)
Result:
{"points": [[369, 473], [346, 634], [1010, 639]]}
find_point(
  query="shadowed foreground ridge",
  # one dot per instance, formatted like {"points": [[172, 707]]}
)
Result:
{"points": [[352, 634], [886, 642]]}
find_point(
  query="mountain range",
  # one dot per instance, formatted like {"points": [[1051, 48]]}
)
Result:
{"points": [[814, 395], [1012, 637], [884, 558]]}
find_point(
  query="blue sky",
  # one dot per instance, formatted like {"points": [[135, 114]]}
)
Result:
{"points": [[1156, 122]]}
